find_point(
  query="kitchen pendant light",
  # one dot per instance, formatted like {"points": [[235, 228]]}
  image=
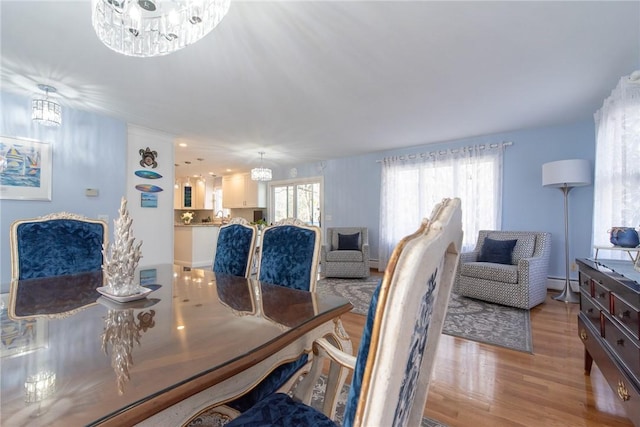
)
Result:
{"points": [[261, 173]]}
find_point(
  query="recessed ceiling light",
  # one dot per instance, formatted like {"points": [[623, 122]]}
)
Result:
{"points": [[183, 144], [187, 162], [212, 173], [200, 159]]}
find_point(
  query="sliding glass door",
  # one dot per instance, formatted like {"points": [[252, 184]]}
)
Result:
{"points": [[299, 199]]}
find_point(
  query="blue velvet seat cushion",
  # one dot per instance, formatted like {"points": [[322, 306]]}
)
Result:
{"points": [[269, 385], [497, 251], [232, 250], [58, 247], [280, 410], [287, 256], [361, 362]]}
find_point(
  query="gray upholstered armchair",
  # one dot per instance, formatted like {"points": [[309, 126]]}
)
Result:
{"points": [[346, 253], [520, 281]]}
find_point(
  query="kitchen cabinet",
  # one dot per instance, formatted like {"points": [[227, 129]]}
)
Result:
{"points": [[177, 197], [240, 191], [191, 196]]}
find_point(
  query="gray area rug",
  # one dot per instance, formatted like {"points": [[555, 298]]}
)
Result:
{"points": [[318, 393], [467, 318]]}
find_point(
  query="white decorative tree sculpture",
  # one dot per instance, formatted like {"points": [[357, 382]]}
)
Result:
{"points": [[121, 257]]}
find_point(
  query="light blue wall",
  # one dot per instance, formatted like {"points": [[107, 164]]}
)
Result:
{"points": [[88, 151], [352, 187]]}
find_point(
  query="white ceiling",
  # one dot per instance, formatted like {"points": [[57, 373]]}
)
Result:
{"points": [[309, 81]]}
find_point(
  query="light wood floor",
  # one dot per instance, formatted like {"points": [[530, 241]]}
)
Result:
{"points": [[481, 385]]}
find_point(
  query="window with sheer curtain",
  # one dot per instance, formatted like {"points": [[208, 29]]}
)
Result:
{"points": [[616, 201], [410, 187]]}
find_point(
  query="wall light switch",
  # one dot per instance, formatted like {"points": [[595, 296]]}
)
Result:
{"points": [[91, 192]]}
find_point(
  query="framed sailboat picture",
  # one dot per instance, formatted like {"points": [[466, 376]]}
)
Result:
{"points": [[25, 169]]}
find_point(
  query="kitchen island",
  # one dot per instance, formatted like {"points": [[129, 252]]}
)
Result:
{"points": [[194, 245]]}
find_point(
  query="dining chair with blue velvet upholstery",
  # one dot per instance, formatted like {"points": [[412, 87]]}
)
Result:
{"points": [[289, 256], [395, 360], [56, 244], [235, 248]]}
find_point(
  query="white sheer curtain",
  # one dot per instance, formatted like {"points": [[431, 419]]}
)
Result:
{"points": [[411, 186], [617, 170]]}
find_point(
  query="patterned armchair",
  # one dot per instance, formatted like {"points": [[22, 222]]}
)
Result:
{"points": [[521, 281], [55, 245], [397, 351], [346, 253]]}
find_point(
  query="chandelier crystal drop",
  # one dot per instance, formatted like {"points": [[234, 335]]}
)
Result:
{"points": [[45, 111], [147, 28], [261, 173]]}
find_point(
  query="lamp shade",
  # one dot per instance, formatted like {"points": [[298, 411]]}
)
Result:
{"points": [[570, 173]]}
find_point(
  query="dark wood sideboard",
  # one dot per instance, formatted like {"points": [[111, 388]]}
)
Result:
{"points": [[609, 327]]}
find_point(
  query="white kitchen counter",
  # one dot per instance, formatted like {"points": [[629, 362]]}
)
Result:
{"points": [[194, 245]]}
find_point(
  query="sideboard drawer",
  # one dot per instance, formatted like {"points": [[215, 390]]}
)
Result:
{"points": [[585, 282], [626, 314], [591, 311], [623, 346], [601, 294]]}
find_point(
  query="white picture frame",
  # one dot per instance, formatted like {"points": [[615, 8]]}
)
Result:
{"points": [[25, 169]]}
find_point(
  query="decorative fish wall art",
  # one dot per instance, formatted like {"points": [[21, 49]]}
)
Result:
{"points": [[147, 174], [148, 188]]}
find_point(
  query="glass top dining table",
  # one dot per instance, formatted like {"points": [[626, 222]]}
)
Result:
{"points": [[71, 356]]}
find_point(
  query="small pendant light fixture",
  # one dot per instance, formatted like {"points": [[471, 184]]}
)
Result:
{"points": [[261, 173], [45, 111]]}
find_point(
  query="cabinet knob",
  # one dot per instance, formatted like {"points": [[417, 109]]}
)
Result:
{"points": [[590, 310], [583, 335], [601, 295], [620, 342], [623, 393]]}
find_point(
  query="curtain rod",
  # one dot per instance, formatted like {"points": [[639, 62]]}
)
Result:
{"points": [[448, 151]]}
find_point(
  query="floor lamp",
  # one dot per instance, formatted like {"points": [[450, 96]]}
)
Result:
{"points": [[565, 175]]}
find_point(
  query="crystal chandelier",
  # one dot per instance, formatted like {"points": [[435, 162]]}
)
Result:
{"points": [[261, 173], [154, 27], [44, 111]]}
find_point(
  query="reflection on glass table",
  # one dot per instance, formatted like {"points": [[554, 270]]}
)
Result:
{"points": [[123, 329], [184, 338]]}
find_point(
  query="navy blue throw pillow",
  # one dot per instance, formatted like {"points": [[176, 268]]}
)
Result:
{"points": [[497, 251], [349, 242]]}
